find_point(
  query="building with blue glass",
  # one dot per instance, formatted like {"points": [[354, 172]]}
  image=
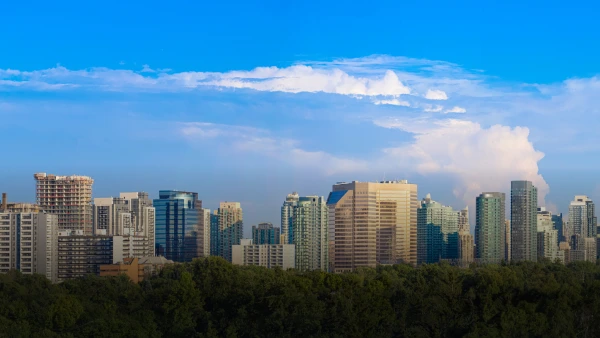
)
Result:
{"points": [[178, 224], [265, 233]]}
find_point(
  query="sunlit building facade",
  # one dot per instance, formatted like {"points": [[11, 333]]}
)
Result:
{"points": [[372, 223], [310, 218]]}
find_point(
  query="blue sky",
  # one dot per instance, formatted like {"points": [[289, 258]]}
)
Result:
{"points": [[459, 97]]}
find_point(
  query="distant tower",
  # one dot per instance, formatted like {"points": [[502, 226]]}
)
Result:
{"points": [[231, 227], [490, 227], [437, 232], [287, 234], [523, 214]]}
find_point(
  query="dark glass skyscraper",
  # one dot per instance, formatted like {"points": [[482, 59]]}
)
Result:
{"points": [[177, 225]]}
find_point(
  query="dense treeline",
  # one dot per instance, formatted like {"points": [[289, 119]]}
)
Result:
{"points": [[212, 298]]}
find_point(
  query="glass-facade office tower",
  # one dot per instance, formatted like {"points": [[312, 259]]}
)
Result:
{"points": [[437, 232], [372, 223], [265, 233], [490, 227], [523, 220], [309, 224], [287, 231], [215, 247], [559, 226], [231, 227], [177, 225]]}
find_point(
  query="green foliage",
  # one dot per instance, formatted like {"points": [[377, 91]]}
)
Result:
{"points": [[212, 298]]}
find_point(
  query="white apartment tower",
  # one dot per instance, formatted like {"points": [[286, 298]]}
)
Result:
{"points": [[310, 233], [29, 243], [69, 197]]}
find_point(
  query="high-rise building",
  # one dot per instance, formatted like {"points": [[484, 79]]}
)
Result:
{"points": [[204, 235], [582, 217], [490, 227], [523, 214], [69, 197], [507, 246], [547, 242], [143, 214], [29, 243], [437, 232], [372, 223], [131, 214], [267, 255], [215, 247], [177, 225], [265, 233], [80, 255], [559, 225], [466, 241], [112, 216], [310, 232], [231, 227], [287, 232]]}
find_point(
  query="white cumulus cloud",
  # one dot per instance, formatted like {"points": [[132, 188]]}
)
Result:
{"points": [[456, 110], [434, 94], [482, 159]]}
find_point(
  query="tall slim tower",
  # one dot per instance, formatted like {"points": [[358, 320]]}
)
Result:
{"points": [[287, 234], [309, 220], [69, 197], [490, 227], [465, 238], [372, 223], [523, 216], [231, 227]]}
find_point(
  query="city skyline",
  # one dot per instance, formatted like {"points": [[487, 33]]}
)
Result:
{"points": [[247, 229]]}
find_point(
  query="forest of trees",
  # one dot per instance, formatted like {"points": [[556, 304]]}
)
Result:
{"points": [[212, 298]]}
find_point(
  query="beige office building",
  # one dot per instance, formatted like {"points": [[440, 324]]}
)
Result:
{"points": [[372, 223], [69, 197], [231, 227]]}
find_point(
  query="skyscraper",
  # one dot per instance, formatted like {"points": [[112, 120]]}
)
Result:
{"points": [[582, 217], [490, 227], [547, 242], [69, 197], [583, 228], [559, 226], [372, 223], [437, 232], [309, 224], [265, 233], [465, 238], [231, 227], [177, 225], [523, 214], [287, 234]]}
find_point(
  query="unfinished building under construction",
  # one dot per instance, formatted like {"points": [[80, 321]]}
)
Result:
{"points": [[69, 197]]}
